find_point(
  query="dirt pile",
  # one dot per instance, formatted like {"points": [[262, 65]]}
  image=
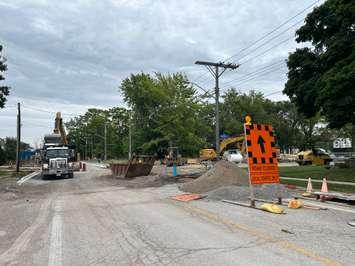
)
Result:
{"points": [[238, 193], [222, 174]]}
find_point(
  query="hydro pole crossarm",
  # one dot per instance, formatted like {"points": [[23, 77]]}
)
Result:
{"points": [[213, 68]]}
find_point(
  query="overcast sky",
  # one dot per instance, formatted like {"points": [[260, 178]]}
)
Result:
{"points": [[71, 55]]}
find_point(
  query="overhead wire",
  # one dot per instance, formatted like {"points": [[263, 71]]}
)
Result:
{"points": [[266, 42], [272, 31], [260, 75], [255, 72]]}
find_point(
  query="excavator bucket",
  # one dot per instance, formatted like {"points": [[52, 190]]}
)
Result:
{"points": [[138, 165]]}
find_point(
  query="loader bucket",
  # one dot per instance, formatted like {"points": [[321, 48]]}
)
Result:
{"points": [[139, 165]]}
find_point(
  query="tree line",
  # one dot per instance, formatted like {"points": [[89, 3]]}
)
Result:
{"points": [[8, 149], [166, 110]]}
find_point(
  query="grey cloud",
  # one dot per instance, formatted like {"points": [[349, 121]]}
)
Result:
{"points": [[78, 51]]}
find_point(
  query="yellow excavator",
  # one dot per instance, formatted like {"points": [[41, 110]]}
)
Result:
{"points": [[212, 155]]}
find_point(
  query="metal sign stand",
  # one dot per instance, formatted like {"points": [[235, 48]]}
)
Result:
{"points": [[252, 198]]}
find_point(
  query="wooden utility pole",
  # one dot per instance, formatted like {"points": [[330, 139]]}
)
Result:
{"points": [[105, 139], [18, 145], [213, 68]]}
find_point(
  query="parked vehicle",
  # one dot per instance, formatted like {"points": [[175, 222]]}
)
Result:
{"points": [[233, 156], [314, 156]]}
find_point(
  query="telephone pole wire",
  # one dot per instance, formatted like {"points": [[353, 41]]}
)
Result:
{"points": [[18, 144], [213, 68]]}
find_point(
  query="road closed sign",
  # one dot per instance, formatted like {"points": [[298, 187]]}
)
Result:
{"points": [[262, 158]]}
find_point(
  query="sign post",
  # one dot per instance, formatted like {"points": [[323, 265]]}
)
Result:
{"points": [[261, 156]]}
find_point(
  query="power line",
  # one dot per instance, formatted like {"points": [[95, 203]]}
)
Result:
{"points": [[272, 31], [47, 111], [264, 52], [271, 39], [262, 74], [262, 38], [256, 71]]}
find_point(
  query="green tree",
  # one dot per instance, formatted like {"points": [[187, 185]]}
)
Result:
{"points": [[4, 90], [87, 133], [165, 112], [8, 148], [236, 105], [321, 78]]}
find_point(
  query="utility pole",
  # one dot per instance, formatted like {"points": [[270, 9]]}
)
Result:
{"points": [[105, 139], [130, 137], [213, 68], [92, 147], [18, 145]]}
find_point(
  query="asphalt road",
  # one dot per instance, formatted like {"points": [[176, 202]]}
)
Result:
{"points": [[92, 220]]}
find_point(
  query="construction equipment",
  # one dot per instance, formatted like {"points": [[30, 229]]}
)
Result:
{"points": [[57, 159], [314, 156], [211, 154], [138, 165], [174, 157]]}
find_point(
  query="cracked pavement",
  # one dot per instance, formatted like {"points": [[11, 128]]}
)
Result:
{"points": [[92, 220]]}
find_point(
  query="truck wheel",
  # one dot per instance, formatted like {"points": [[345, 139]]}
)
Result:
{"points": [[71, 175]]}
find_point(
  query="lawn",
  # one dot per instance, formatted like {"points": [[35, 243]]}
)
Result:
{"points": [[319, 172]]}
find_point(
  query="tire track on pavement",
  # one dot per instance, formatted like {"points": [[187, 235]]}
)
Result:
{"points": [[19, 246], [56, 245]]}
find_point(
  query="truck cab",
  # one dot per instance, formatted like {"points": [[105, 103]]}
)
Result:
{"points": [[56, 161]]}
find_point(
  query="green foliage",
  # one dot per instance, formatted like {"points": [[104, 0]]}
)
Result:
{"points": [[236, 105], [87, 133], [321, 79], [165, 112], [4, 90], [293, 130], [8, 149]]}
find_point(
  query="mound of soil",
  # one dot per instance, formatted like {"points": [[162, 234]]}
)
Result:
{"points": [[223, 173]]}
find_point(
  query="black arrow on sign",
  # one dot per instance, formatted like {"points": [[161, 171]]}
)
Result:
{"points": [[261, 142]]}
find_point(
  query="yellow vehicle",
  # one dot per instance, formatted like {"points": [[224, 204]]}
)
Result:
{"points": [[315, 156], [211, 154]]}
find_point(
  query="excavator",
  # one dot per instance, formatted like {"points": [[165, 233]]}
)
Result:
{"points": [[212, 155]]}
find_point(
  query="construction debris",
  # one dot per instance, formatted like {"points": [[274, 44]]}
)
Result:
{"points": [[222, 174]]}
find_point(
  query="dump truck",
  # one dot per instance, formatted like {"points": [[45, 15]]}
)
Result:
{"points": [[57, 157], [316, 156]]}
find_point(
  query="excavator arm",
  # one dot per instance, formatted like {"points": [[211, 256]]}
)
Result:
{"points": [[224, 143], [59, 128]]}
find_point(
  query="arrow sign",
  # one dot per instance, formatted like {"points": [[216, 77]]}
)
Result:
{"points": [[261, 142]]}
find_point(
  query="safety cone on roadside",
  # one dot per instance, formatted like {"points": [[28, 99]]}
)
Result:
{"points": [[324, 188], [309, 186]]}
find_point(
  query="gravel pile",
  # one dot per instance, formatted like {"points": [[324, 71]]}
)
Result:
{"points": [[222, 174], [238, 193]]}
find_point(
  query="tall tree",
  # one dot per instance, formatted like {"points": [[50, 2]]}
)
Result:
{"points": [[321, 78], [165, 112], [4, 90]]}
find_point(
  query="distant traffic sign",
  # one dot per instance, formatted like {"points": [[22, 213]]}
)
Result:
{"points": [[262, 159]]}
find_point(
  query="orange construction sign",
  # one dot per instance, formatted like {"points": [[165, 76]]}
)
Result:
{"points": [[262, 159]]}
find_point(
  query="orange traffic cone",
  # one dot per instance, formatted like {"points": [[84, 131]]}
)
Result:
{"points": [[309, 186], [324, 188]]}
